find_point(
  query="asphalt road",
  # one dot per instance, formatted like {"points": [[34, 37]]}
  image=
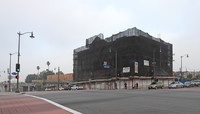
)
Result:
{"points": [[175, 101]]}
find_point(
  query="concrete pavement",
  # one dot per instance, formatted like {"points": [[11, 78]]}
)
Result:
{"points": [[12, 103], [160, 101]]}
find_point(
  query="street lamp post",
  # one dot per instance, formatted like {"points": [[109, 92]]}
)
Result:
{"points": [[10, 72], [58, 77], [181, 63], [3, 72], [17, 91], [0, 76]]}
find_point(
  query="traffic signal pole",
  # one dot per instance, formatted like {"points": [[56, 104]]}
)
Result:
{"points": [[17, 91]]}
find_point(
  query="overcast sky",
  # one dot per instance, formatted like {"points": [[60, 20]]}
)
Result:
{"points": [[60, 26]]}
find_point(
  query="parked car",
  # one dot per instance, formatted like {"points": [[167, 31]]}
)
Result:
{"points": [[155, 85], [196, 82], [61, 88], [77, 87], [187, 84], [48, 89], [176, 84], [192, 84], [67, 88]]}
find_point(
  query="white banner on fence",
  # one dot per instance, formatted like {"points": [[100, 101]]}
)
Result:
{"points": [[126, 69], [136, 67], [146, 63]]}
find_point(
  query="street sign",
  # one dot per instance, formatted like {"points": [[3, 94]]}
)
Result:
{"points": [[14, 73], [106, 66]]}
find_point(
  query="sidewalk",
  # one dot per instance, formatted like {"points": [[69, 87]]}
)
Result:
{"points": [[12, 103]]}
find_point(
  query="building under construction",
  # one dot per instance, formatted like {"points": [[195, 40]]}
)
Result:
{"points": [[131, 53]]}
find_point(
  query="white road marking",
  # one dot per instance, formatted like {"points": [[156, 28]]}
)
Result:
{"points": [[58, 105]]}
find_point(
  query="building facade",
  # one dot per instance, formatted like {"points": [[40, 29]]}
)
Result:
{"points": [[62, 80], [131, 53]]}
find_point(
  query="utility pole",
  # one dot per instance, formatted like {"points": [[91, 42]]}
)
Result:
{"points": [[116, 69], [160, 56], [58, 77], [154, 63], [116, 64], [9, 77], [181, 64]]}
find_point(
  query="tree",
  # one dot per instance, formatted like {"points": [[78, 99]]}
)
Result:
{"points": [[48, 63], [44, 74], [60, 72], [30, 78], [38, 68], [189, 76]]}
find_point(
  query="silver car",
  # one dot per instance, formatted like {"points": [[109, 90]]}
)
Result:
{"points": [[187, 84], [196, 82], [176, 84]]}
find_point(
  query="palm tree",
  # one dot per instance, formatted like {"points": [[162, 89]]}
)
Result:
{"points": [[48, 63], [38, 68]]}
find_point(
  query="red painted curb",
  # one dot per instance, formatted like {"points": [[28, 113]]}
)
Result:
{"points": [[21, 104]]}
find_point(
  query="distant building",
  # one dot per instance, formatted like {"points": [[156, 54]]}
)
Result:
{"points": [[61, 77], [191, 75], [64, 79], [128, 54]]}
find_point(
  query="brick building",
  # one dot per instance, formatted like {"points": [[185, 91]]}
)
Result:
{"points": [[64, 79]]}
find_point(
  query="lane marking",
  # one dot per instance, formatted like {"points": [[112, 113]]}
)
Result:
{"points": [[56, 104]]}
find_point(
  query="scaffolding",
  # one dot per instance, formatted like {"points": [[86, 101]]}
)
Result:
{"points": [[119, 51]]}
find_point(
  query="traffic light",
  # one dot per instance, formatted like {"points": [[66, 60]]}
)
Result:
{"points": [[17, 67], [118, 74], [17, 77], [152, 73]]}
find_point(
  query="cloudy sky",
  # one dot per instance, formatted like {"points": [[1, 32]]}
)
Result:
{"points": [[60, 26]]}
